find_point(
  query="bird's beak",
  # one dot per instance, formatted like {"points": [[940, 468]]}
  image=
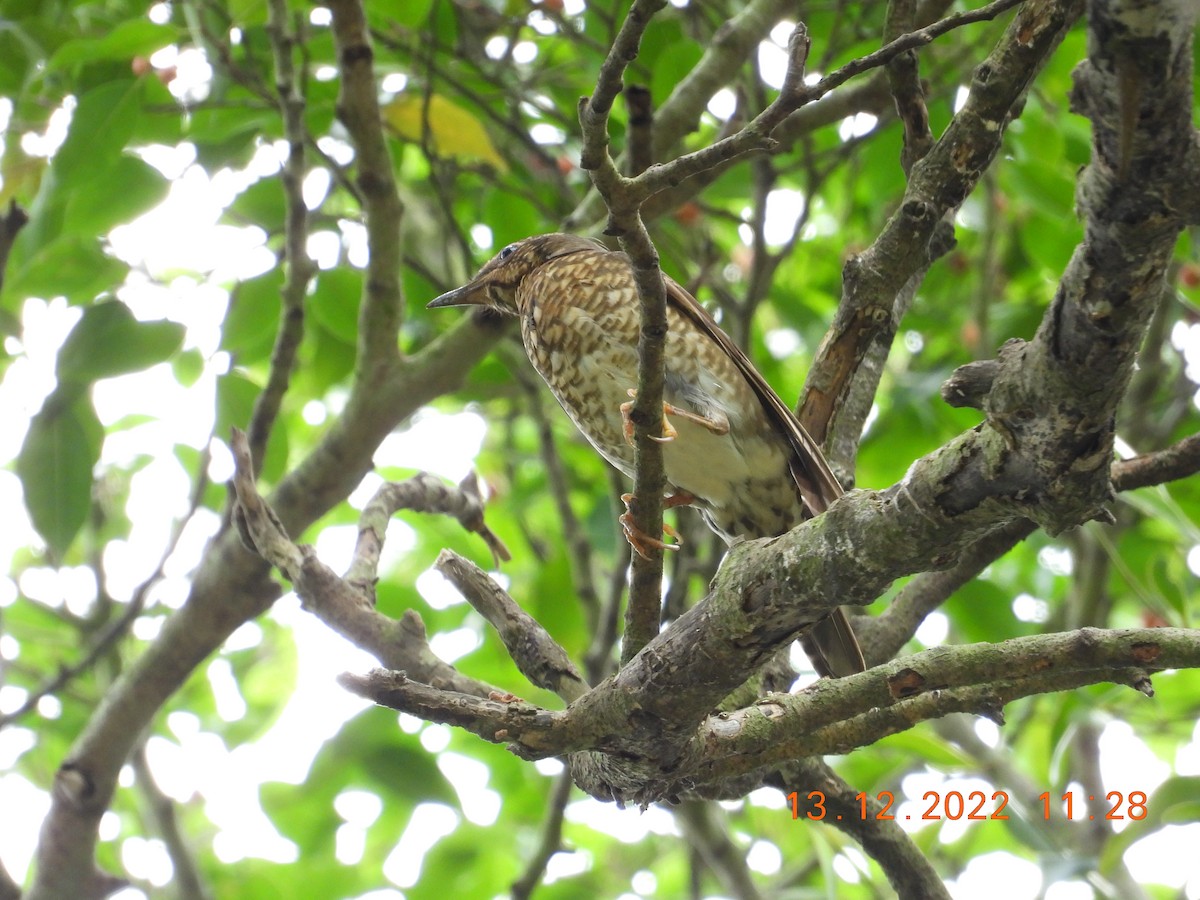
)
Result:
{"points": [[471, 294]]}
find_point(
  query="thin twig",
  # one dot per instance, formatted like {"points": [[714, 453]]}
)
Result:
{"points": [[579, 547], [795, 94], [540, 658], [186, 882], [10, 226], [904, 79], [551, 842], [706, 828], [425, 493], [1180, 460], [300, 268], [343, 604], [641, 127], [118, 627], [645, 592], [599, 657]]}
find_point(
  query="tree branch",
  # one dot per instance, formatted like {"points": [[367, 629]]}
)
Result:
{"points": [[358, 108], [425, 493], [11, 224], [904, 80], [347, 605], [705, 828], [551, 842], [832, 716], [539, 657], [908, 870], [9, 889], [938, 183], [185, 878], [645, 590], [300, 268], [232, 585], [1180, 460]]}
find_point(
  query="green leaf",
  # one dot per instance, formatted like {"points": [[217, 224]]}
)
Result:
{"points": [[248, 12], [15, 61], [55, 466], [236, 395], [109, 341], [235, 402], [335, 302], [261, 203], [253, 317], [1176, 801], [133, 37], [72, 266], [101, 126], [128, 188], [188, 366], [670, 56]]}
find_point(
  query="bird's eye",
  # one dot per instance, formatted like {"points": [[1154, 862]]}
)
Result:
{"points": [[508, 251]]}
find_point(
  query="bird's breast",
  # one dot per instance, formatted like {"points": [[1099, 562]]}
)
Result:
{"points": [[581, 335]]}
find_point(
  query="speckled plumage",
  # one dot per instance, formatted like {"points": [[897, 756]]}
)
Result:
{"points": [[751, 468]]}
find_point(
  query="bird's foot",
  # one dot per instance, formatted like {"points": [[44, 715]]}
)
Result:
{"points": [[679, 498], [668, 430], [716, 426], [641, 542]]}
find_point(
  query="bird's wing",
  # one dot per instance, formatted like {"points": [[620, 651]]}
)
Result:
{"points": [[814, 478], [829, 643]]}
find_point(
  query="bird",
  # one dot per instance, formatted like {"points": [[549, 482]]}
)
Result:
{"points": [[731, 447]]}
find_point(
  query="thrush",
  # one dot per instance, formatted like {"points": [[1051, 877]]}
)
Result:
{"points": [[732, 448]]}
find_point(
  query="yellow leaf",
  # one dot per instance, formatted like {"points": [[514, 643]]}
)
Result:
{"points": [[453, 131], [21, 175]]}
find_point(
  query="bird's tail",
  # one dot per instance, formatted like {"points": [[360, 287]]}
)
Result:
{"points": [[832, 648]]}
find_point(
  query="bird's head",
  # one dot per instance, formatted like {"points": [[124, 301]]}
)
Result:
{"points": [[496, 284]]}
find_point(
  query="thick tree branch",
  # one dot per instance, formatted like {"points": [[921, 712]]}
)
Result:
{"points": [[9, 889], [832, 716], [885, 634]]}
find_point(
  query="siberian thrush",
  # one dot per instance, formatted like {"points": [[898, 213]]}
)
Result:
{"points": [[733, 448]]}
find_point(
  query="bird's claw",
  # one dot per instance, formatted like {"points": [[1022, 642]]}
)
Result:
{"points": [[641, 542], [716, 426]]}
